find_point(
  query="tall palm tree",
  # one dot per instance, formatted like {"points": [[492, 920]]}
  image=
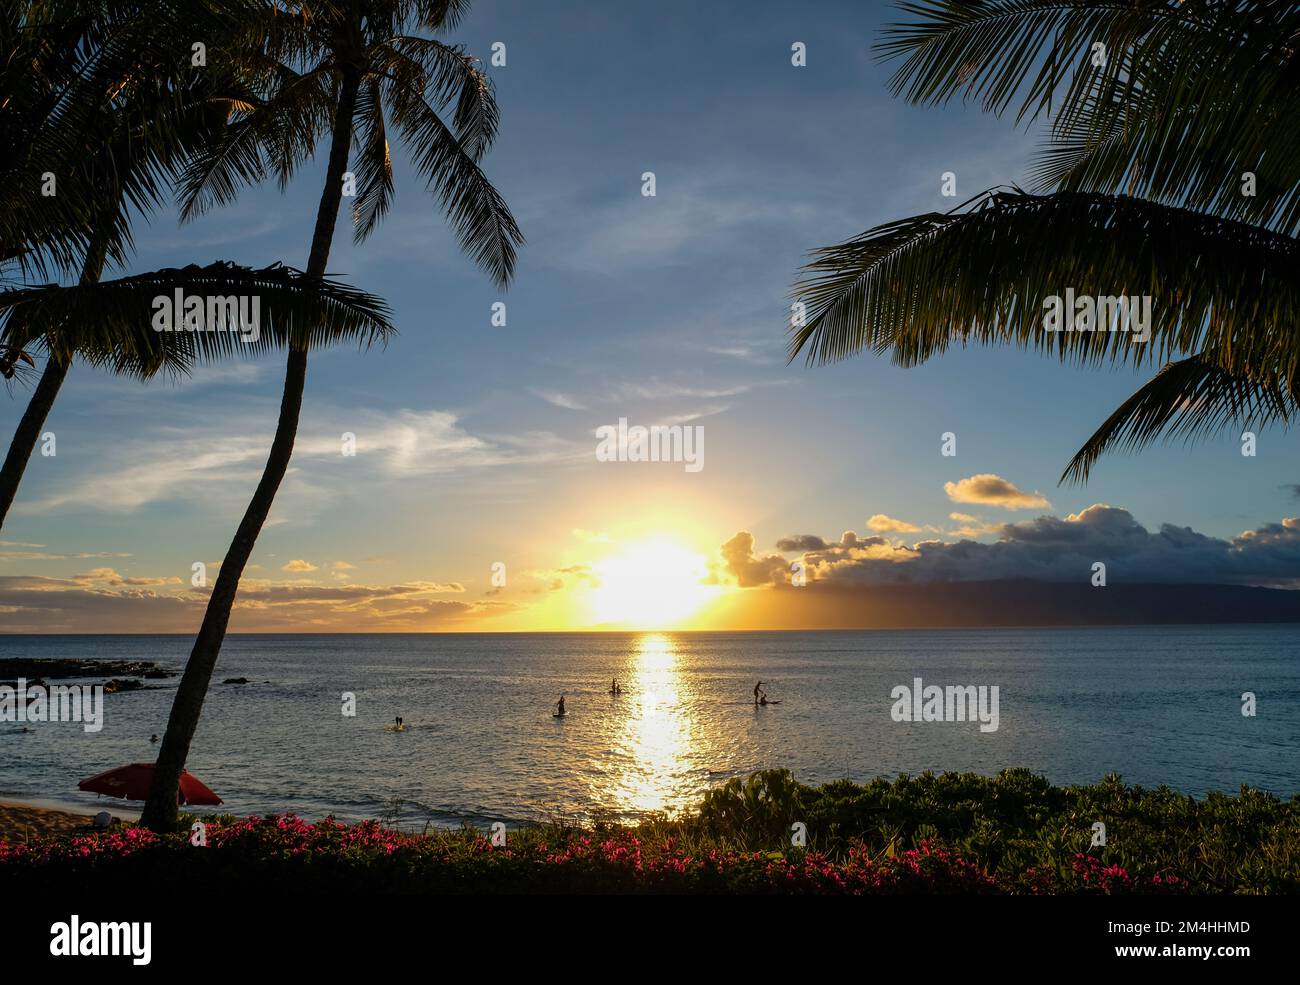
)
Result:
{"points": [[1171, 169], [336, 69], [95, 96]]}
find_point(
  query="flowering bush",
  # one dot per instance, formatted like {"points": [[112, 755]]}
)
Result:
{"points": [[955, 833], [368, 856], [1089, 874]]}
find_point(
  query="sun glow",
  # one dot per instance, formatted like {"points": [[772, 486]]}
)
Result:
{"points": [[653, 584]]}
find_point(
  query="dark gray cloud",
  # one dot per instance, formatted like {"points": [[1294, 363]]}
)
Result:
{"points": [[1044, 549], [801, 542]]}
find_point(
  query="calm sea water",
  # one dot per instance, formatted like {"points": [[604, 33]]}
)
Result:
{"points": [[1155, 704]]}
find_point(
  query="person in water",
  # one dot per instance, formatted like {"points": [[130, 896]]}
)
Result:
{"points": [[614, 688], [154, 737], [560, 707], [398, 721], [759, 692]]}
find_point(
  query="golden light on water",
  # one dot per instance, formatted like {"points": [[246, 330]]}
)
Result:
{"points": [[658, 731]]}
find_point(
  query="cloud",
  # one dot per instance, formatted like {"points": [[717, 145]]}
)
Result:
{"points": [[801, 542], [557, 399], [887, 524], [658, 389], [992, 490], [220, 462], [102, 601], [748, 570], [95, 578], [973, 526], [686, 218], [686, 417], [298, 565], [108, 576], [1048, 549], [45, 556], [540, 580], [222, 374]]}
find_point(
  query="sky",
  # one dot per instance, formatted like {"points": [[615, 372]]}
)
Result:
{"points": [[477, 444]]}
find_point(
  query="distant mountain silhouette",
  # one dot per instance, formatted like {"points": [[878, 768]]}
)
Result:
{"points": [[1021, 603]]}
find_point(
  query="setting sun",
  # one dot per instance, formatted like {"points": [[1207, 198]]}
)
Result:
{"points": [[653, 584]]}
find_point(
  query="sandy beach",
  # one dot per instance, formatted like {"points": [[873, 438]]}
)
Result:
{"points": [[23, 821]]}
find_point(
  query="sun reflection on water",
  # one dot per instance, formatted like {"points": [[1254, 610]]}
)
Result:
{"points": [[658, 732]]}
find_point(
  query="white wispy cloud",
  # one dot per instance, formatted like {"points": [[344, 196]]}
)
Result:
{"points": [[220, 461], [557, 399]]}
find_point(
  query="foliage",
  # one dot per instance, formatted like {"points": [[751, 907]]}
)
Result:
{"points": [[928, 834]]}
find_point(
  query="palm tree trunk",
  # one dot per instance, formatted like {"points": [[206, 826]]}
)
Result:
{"points": [[38, 409], [28, 431], [160, 810]]}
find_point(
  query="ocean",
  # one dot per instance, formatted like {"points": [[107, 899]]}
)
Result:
{"points": [[1157, 705]]}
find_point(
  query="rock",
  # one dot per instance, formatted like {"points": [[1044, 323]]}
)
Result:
{"points": [[236, 680], [33, 668], [122, 684]]}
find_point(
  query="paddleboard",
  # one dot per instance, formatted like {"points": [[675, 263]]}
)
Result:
{"points": [[394, 728]]}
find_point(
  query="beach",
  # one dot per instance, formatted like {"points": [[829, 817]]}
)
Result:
{"points": [[23, 821]]}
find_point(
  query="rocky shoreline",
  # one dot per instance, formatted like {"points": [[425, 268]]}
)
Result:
{"points": [[118, 675]]}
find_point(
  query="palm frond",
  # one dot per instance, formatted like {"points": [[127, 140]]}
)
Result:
{"points": [[113, 323], [914, 286], [447, 76], [374, 167], [1198, 92], [262, 136], [1185, 129], [479, 215], [1191, 399]]}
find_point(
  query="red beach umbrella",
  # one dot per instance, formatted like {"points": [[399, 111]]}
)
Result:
{"points": [[133, 782]]}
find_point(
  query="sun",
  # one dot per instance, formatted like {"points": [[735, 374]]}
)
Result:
{"points": [[653, 584]]}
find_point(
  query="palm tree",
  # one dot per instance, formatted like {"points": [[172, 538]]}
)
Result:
{"points": [[98, 85], [1171, 169], [95, 101], [336, 69]]}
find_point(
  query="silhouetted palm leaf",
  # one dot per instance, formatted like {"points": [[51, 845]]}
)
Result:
{"points": [[110, 323], [1190, 399], [915, 286]]}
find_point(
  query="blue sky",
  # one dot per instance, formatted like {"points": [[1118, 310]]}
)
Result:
{"points": [[476, 441]]}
